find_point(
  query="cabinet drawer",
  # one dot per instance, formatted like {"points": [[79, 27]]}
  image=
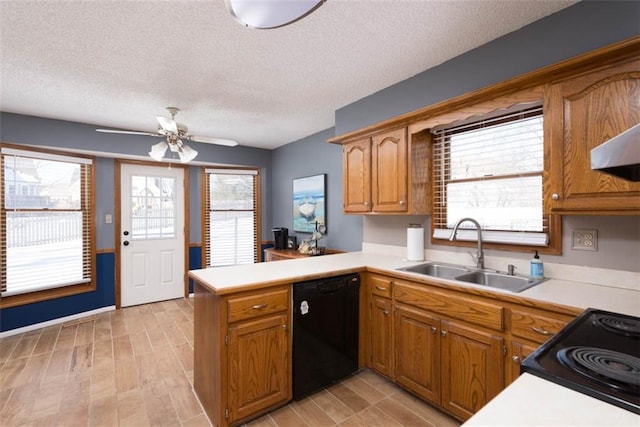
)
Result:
{"points": [[381, 286], [254, 305], [450, 304], [537, 327]]}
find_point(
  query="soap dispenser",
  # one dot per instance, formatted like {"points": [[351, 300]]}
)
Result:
{"points": [[537, 267]]}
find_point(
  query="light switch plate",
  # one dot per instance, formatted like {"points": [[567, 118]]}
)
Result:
{"points": [[584, 240]]}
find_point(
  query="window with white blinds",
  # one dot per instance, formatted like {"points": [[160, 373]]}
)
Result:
{"points": [[45, 220], [231, 217], [491, 170]]}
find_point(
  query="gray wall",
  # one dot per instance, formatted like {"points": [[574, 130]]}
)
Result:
{"points": [[20, 129], [583, 27], [312, 156]]}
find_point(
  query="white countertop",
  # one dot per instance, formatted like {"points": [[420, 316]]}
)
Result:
{"points": [[531, 401], [222, 280]]}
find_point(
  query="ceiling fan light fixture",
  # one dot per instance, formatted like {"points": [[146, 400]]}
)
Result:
{"points": [[264, 15], [186, 153], [158, 150]]}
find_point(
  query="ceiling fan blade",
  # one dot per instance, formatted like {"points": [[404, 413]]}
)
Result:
{"points": [[127, 132], [209, 140], [167, 124]]}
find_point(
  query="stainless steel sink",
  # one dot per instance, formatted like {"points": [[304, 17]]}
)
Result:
{"points": [[490, 279], [444, 271], [499, 280]]}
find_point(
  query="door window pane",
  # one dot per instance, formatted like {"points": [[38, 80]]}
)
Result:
{"points": [[152, 207]]}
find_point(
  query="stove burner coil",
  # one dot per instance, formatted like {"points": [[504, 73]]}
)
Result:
{"points": [[612, 368], [618, 325]]}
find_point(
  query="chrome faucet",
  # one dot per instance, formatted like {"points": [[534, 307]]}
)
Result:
{"points": [[480, 254]]}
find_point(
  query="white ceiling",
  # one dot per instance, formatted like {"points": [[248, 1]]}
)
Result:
{"points": [[120, 63]]}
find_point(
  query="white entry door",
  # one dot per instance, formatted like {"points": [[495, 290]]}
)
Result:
{"points": [[152, 234]]}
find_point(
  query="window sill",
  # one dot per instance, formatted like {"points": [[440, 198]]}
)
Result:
{"points": [[45, 295]]}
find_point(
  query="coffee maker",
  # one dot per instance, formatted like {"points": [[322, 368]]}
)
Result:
{"points": [[280, 237]]}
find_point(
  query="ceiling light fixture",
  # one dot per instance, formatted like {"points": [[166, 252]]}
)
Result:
{"points": [[267, 14], [174, 145]]}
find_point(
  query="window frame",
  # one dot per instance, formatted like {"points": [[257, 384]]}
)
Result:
{"points": [[460, 112], [88, 233], [205, 208], [443, 160]]}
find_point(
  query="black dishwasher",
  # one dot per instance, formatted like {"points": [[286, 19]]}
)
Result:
{"points": [[325, 332]]}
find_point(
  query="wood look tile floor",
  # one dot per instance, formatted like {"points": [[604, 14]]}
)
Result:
{"points": [[134, 367]]}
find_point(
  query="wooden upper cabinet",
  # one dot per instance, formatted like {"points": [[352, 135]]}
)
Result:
{"points": [[580, 114], [386, 173], [389, 186], [356, 175]]}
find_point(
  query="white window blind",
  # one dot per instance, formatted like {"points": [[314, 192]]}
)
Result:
{"points": [[491, 170], [231, 217], [45, 221]]}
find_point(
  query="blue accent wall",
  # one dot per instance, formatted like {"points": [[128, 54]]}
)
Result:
{"points": [[104, 296], [195, 262]]}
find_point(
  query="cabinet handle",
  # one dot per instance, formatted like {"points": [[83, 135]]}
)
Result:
{"points": [[366, 203], [516, 360], [385, 312], [402, 202], [381, 288], [443, 333], [285, 327], [434, 329], [555, 196], [259, 306], [541, 331]]}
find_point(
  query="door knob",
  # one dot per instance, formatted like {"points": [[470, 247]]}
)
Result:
{"points": [[126, 243]]}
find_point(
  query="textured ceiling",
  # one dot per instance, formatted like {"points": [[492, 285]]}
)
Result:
{"points": [[120, 63]]}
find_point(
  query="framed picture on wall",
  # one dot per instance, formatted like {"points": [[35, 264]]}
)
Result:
{"points": [[309, 203]]}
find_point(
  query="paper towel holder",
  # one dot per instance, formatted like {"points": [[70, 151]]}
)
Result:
{"points": [[415, 243]]}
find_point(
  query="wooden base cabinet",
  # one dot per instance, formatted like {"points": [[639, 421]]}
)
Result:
{"points": [[472, 368], [380, 338], [380, 325], [417, 348], [453, 365], [257, 365], [242, 356], [530, 327]]}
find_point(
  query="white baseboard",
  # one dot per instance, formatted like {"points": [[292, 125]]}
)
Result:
{"points": [[56, 321]]}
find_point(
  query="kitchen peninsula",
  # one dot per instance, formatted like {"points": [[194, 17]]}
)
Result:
{"points": [[242, 317]]}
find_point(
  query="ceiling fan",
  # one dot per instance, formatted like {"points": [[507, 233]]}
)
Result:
{"points": [[175, 133]]}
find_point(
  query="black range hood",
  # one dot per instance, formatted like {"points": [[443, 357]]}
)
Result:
{"points": [[619, 156]]}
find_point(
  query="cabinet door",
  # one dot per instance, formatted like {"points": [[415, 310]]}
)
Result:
{"points": [[380, 333], [389, 171], [581, 114], [519, 351], [417, 358], [356, 176], [258, 357], [472, 368]]}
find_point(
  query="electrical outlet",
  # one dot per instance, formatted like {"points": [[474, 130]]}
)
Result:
{"points": [[585, 240]]}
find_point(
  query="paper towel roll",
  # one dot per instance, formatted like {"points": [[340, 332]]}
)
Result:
{"points": [[415, 243]]}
